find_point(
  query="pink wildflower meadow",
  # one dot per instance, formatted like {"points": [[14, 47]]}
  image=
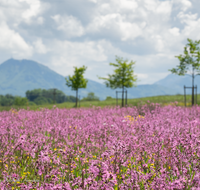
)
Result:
{"points": [[109, 148]]}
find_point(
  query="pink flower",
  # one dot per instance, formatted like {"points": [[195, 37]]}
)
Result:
{"points": [[40, 172]]}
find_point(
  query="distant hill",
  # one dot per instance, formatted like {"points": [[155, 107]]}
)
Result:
{"points": [[18, 76], [177, 82]]}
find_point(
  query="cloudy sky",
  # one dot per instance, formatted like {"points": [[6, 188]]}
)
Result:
{"points": [[65, 33]]}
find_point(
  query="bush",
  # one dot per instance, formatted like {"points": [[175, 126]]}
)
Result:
{"points": [[30, 103], [20, 101], [60, 97], [41, 100], [91, 97], [7, 100], [109, 98]]}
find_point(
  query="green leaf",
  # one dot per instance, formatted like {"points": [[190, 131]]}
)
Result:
{"points": [[188, 60], [123, 75], [77, 80]]}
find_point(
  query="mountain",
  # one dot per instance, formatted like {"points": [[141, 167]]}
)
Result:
{"points": [[18, 76], [177, 82]]}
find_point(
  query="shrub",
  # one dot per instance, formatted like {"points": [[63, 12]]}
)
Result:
{"points": [[41, 100], [20, 101], [109, 98]]}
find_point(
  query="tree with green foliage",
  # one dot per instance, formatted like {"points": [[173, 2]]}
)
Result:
{"points": [[123, 76], [77, 80], [30, 103], [33, 94], [91, 97], [189, 62], [109, 98], [7, 100], [20, 101], [42, 100], [43, 96]]}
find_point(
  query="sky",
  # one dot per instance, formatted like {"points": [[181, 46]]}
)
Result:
{"points": [[62, 34]]}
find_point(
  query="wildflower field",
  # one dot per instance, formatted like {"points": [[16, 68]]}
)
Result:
{"points": [[97, 148]]}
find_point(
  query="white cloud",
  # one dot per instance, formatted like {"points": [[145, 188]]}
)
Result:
{"points": [[127, 4], [164, 8], [158, 7], [116, 24], [187, 18], [69, 24], [87, 51], [40, 47], [153, 77], [144, 19], [12, 41], [34, 9], [9, 3], [159, 42], [150, 5], [192, 26], [94, 1], [67, 54], [141, 77], [174, 31], [103, 22], [130, 31], [22, 11], [185, 4], [40, 20]]}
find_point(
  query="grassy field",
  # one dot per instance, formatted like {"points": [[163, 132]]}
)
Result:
{"points": [[162, 100]]}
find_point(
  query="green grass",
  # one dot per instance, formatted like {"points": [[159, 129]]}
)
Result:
{"points": [[163, 100]]}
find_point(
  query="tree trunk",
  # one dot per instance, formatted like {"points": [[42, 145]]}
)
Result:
{"points": [[193, 87], [122, 96], [76, 98]]}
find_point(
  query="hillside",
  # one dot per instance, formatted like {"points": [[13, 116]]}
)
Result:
{"points": [[18, 76], [177, 82]]}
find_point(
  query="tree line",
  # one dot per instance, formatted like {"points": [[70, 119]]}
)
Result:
{"points": [[36, 97], [41, 97]]}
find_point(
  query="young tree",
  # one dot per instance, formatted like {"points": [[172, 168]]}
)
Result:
{"points": [[189, 63], [77, 81], [123, 77]]}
